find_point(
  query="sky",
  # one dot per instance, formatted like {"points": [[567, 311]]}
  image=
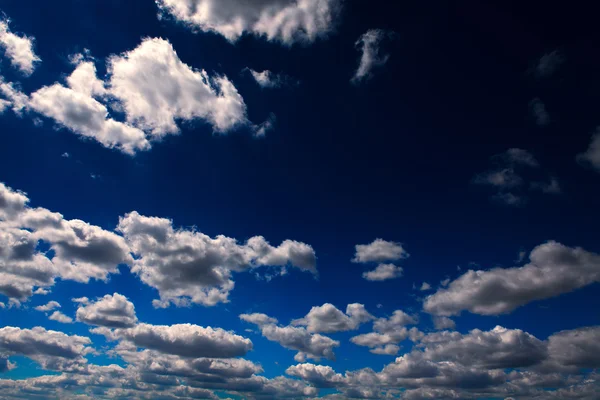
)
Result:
{"points": [[299, 199]]}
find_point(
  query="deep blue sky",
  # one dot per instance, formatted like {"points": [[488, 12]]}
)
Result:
{"points": [[393, 157]]}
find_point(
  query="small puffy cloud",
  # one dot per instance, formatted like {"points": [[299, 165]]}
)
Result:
{"points": [[49, 306], [258, 319], [184, 340], [15, 99], [327, 318], [286, 21], [266, 78], [550, 187], [372, 56], [19, 49], [261, 130], [591, 157], [188, 266], [383, 272], [307, 344], [379, 251], [387, 333], [155, 88], [60, 317], [113, 311], [51, 349], [386, 350], [553, 269], [425, 286]]}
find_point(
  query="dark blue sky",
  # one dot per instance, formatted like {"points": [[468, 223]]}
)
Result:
{"points": [[396, 156]]}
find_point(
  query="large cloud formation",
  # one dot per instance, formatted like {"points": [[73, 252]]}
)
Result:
{"points": [[188, 266], [286, 21], [553, 269]]}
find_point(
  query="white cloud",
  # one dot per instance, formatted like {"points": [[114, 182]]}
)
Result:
{"points": [[266, 78], [578, 347], [369, 44], [261, 130], [79, 251], [553, 269], [60, 317], [327, 318], [441, 323], [379, 251], [286, 21], [548, 64], [425, 286], [51, 349], [156, 89], [113, 311], [320, 376], [19, 49], [388, 332], [15, 99], [383, 272], [84, 80], [48, 307], [184, 340], [591, 156], [188, 266], [84, 115], [308, 345]]}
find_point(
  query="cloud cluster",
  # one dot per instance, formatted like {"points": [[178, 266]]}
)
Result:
{"points": [[307, 344], [380, 251], [189, 266], [513, 174], [553, 269], [388, 333], [327, 318], [286, 21], [19, 49], [79, 251]]}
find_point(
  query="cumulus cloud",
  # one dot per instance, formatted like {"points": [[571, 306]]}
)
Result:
{"points": [[189, 266], [307, 344], [113, 311], [84, 79], [383, 272], [327, 318], [156, 89], [425, 286], [60, 317], [379, 251], [548, 64], [19, 49], [79, 251], [388, 332], [372, 56], [186, 340], [591, 157], [76, 109], [578, 347], [14, 98], [286, 21], [553, 269], [51, 349], [320, 376], [441, 323], [51, 305]]}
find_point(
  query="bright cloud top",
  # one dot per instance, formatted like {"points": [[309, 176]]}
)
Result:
{"points": [[19, 49], [286, 21]]}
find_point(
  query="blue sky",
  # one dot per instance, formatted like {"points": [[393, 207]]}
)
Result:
{"points": [[299, 199]]}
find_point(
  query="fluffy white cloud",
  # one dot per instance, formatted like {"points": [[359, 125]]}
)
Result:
{"points": [[266, 78], [591, 156], [51, 305], [553, 269], [327, 318], [379, 251], [287, 21], [320, 376], [19, 49], [80, 251], [15, 99], [388, 332], [184, 340], [78, 111], [113, 311], [186, 266], [51, 349], [60, 317], [156, 88], [441, 323], [307, 344], [383, 272], [369, 44], [84, 80]]}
